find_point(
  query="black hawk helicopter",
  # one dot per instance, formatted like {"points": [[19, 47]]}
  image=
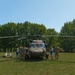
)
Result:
{"points": [[36, 48]]}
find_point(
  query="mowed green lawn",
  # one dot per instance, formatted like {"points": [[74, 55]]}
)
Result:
{"points": [[65, 65]]}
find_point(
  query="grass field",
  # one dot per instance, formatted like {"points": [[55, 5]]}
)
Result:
{"points": [[65, 65]]}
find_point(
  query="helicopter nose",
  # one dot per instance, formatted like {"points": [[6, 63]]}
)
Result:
{"points": [[36, 50]]}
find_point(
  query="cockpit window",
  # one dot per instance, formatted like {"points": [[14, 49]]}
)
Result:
{"points": [[42, 45], [37, 45], [32, 45]]}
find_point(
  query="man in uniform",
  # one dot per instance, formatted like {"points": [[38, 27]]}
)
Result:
{"points": [[57, 49]]}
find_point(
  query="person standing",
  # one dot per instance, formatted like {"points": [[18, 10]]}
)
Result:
{"points": [[5, 55], [51, 53], [10, 55], [57, 49], [17, 52]]}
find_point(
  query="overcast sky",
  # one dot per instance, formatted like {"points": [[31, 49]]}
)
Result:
{"points": [[51, 13]]}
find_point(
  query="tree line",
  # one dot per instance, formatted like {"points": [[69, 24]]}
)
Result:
{"points": [[27, 28]]}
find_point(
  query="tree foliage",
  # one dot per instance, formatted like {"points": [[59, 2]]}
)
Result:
{"points": [[52, 40], [68, 43], [27, 28], [21, 29]]}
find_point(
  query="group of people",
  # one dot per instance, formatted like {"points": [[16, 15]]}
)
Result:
{"points": [[56, 50], [52, 52], [5, 55], [18, 51], [22, 53]]}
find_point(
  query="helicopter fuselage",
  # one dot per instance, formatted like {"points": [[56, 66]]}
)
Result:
{"points": [[37, 48]]}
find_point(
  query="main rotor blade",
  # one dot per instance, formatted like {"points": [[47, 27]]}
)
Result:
{"points": [[33, 36], [57, 36], [9, 37]]}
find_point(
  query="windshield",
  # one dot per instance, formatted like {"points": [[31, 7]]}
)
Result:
{"points": [[42, 45]]}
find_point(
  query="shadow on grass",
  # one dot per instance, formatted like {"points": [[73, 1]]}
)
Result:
{"points": [[39, 60], [32, 60], [14, 59]]}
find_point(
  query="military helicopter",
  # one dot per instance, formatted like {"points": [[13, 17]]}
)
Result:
{"points": [[36, 48]]}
